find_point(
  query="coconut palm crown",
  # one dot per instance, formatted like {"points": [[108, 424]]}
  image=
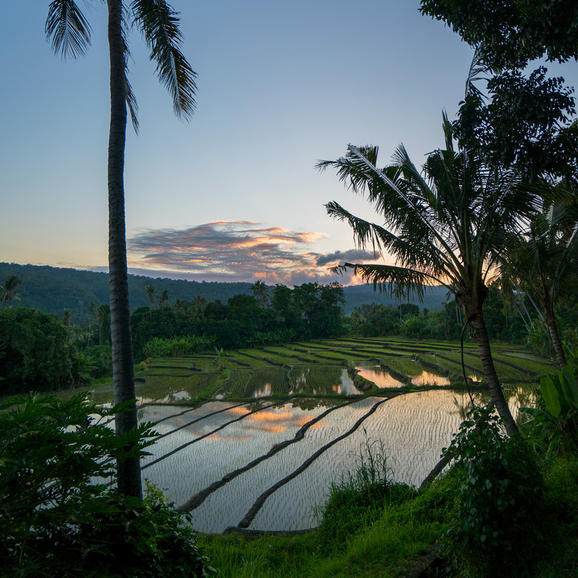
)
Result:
{"points": [[443, 226], [543, 262], [69, 33]]}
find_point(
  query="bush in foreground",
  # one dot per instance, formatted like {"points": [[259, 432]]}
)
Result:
{"points": [[495, 528], [60, 516]]}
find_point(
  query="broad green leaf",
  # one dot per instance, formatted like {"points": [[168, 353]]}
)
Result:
{"points": [[569, 387], [551, 395]]}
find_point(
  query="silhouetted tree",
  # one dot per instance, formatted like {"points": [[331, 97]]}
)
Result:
{"points": [[70, 33], [444, 227], [8, 291]]}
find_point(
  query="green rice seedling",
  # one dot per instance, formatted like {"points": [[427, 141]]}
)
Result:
{"points": [[359, 498], [402, 365]]}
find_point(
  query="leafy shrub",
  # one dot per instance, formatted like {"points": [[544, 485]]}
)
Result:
{"points": [[160, 347], [34, 352], [276, 336], [60, 517], [95, 361], [553, 425], [538, 340], [359, 499], [499, 502]]}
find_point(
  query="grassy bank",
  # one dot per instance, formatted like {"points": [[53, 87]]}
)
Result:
{"points": [[407, 537]]}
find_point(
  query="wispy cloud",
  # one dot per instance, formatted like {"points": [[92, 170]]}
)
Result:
{"points": [[238, 251], [352, 256]]}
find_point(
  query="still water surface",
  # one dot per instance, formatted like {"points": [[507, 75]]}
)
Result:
{"points": [[412, 429]]}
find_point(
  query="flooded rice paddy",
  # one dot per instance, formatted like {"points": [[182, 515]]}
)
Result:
{"points": [[205, 445], [283, 423]]}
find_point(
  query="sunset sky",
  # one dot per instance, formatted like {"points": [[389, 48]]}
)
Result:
{"points": [[233, 194]]}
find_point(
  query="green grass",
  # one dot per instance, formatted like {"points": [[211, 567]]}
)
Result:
{"points": [[400, 539], [402, 365], [390, 544]]}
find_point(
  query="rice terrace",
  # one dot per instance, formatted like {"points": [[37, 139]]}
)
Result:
{"points": [[253, 438], [327, 327]]}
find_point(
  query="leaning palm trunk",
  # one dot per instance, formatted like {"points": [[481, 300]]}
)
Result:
{"points": [[492, 380], [129, 477], [550, 319]]}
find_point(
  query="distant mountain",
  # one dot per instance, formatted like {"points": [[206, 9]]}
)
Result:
{"points": [[356, 295], [53, 290]]}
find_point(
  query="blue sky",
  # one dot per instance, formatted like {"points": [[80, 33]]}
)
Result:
{"points": [[232, 194]]}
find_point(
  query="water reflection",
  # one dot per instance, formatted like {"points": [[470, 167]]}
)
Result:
{"points": [[413, 428], [379, 376], [428, 378], [264, 391], [299, 379]]}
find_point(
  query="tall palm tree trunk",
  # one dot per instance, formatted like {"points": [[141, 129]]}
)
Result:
{"points": [[129, 477], [496, 393], [550, 319]]}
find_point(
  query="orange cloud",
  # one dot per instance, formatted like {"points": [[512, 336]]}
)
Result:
{"points": [[274, 428], [238, 410], [234, 251]]}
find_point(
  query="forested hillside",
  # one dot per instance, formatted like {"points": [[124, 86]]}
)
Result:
{"points": [[53, 290]]}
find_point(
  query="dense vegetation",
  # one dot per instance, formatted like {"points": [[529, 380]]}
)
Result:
{"points": [[60, 516], [43, 353], [35, 352], [56, 290]]}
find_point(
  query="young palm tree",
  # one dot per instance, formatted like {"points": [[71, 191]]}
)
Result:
{"points": [[70, 33], [8, 291], [151, 294], [164, 298], [261, 293], [543, 263], [444, 227]]}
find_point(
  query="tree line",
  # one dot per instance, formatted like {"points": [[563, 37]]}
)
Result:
{"points": [[42, 352]]}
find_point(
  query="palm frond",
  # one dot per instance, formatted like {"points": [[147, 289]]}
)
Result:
{"points": [[67, 29], [350, 171], [448, 131], [402, 160], [131, 104], [421, 218], [475, 74], [410, 251], [159, 24], [393, 279]]}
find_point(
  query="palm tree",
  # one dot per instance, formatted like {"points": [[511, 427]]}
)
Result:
{"points": [[8, 291], [543, 262], [151, 294], [444, 227], [164, 298], [261, 293], [70, 35]]}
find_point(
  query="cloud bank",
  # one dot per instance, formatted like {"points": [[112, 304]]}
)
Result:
{"points": [[239, 251]]}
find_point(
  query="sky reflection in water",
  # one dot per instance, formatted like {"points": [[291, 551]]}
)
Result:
{"points": [[413, 429]]}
